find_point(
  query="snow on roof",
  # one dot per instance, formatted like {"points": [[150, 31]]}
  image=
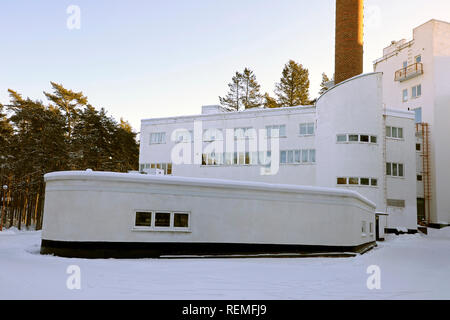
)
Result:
{"points": [[204, 182]]}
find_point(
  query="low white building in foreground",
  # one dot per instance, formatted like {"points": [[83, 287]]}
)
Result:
{"points": [[349, 140]]}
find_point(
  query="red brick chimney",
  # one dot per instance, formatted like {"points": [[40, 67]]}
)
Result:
{"points": [[349, 39]]}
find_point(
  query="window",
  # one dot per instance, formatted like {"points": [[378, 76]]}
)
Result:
{"points": [[418, 115], [418, 147], [394, 132], [370, 227], [341, 181], [166, 167], [157, 138], [305, 156], [353, 181], [405, 95], [181, 220], [143, 219], [374, 182], [417, 91], [363, 227], [298, 156], [405, 64], [364, 138], [283, 157], [162, 219], [373, 139], [418, 59], [272, 131], [365, 181], [395, 169], [419, 177], [341, 138], [353, 138], [306, 129]]}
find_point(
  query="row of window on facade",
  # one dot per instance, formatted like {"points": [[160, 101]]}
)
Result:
{"points": [[305, 129], [357, 181], [304, 156], [162, 220], [363, 138], [364, 228], [166, 167], [416, 92]]}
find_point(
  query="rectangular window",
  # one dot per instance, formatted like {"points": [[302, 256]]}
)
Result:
{"points": [[242, 133], [353, 138], [418, 147], [290, 156], [363, 227], [341, 181], [181, 220], [305, 156], [306, 129], [418, 115], [394, 132], [365, 181], [276, 131], [212, 135], [388, 131], [405, 64], [418, 59], [353, 181], [364, 138], [162, 219], [374, 182], [341, 138], [371, 228], [283, 157], [388, 169], [373, 139], [297, 156], [417, 91], [419, 177], [312, 156], [394, 169], [169, 168], [405, 95], [400, 170], [395, 203], [157, 137], [143, 219]]}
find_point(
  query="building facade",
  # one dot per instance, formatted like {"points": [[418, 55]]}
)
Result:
{"points": [[414, 79], [341, 142]]}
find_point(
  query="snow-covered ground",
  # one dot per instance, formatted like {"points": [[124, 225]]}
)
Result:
{"points": [[412, 267]]}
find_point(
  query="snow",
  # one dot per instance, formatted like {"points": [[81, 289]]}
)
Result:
{"points": [[412, 267]]}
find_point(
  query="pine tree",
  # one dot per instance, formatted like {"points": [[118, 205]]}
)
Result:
{"points": [[323, 84], [68, 101], [251, 97], [233, 100], [293, 88], [270, 102]]}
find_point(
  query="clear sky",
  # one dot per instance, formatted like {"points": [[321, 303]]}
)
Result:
{"points": [[143, 58]]}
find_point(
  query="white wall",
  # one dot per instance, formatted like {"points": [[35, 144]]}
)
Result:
{"points": [[96, 206]]}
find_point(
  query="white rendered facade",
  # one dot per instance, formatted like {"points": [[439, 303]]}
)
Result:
{"points": [[415, 78], [338, 143]]}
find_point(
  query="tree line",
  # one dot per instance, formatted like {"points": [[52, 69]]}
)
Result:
{"points": [[292, 89], [68, 133]]}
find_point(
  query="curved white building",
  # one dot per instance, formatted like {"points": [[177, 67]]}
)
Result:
{"points": [[99, 214]]}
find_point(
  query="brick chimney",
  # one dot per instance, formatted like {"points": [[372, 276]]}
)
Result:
{"points": [[349, 39]]}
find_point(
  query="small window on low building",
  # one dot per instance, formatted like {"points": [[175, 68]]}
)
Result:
{"points": [[370, 227], [143, 219], [341, 181], [374, 182], [353, 138], [365, 181], [162, 219], [364, 138], [363, 227], [353, 181], [373, 139], [181, 220], [341, 138]]}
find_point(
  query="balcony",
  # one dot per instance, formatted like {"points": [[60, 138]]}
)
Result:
{"points": [[409, 72]]}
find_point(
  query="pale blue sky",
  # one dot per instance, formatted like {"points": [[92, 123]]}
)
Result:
{"points": [[144, 59]]}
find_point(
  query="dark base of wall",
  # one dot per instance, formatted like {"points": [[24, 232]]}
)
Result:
{"points": [[396, 232], [437, 225], [102, 250]]}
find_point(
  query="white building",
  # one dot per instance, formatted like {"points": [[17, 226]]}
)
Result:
{"points": [[341, 142], [416, 78]]}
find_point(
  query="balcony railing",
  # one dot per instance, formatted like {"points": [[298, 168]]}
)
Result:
{"points": [[409, 72]]}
